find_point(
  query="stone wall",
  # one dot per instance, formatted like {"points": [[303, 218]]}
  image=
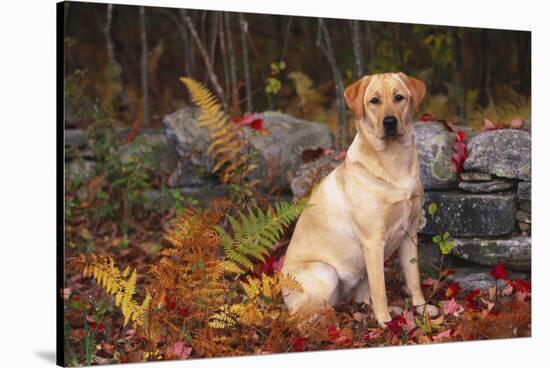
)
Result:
{"points": [[487, 210]]}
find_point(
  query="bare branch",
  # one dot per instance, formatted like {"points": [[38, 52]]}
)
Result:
{"points": [[187, 46], [209, 68]]}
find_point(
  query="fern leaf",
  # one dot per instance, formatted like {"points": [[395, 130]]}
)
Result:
{"points": [[226, 142], [256, 231]]}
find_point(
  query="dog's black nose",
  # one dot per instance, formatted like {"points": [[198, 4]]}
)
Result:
{"points": [[390, 125]]}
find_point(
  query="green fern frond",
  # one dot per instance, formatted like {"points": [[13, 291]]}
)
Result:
{"points": [[255, 232]]}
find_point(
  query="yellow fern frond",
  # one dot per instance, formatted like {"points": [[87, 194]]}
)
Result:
{"points": [[118, 284], [226, 142], [251, 287]]}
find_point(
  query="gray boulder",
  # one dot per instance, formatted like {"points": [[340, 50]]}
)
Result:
{"points": [[311, 173], [435, 149], [513, 252], [505, 153], [279, 152], [75, 138], [465, 214], [429, 256], [478, 277], [163, 154], [199, 197], [496, 185]]}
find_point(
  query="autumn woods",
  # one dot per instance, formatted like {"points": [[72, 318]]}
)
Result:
{"points": [[193, 139]]}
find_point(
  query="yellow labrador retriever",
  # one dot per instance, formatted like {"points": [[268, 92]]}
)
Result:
{"points": [[366, 208]]}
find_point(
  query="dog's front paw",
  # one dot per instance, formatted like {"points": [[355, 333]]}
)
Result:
{"points": [[429, 309], [383, 320]]}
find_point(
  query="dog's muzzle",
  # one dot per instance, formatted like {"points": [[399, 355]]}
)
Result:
{"points": [[390, 126]]}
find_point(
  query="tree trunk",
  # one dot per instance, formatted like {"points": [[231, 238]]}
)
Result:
{"points": [[246, 64], [485, 63], [358, 54], [189, 64], [112, 60], [232, 64], [461, 91], [144, 79], [372, 48], [325, 44], [223, 49]]}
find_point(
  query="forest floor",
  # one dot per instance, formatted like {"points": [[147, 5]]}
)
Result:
{"points": [[95, 331]]}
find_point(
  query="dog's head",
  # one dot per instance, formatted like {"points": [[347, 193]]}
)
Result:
{"points": [[384, 104]]}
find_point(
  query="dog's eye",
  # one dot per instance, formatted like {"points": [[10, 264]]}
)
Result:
{"points": [[399, 98], [374, 100]]}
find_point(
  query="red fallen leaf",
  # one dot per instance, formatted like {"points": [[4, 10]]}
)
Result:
{"points": [[460, 152], [267, 265], [253, 121], [443, 335], [178, 350], [472, 295], [521, 286], [460, 136], [428, 282], [452, 290], [278, 265], [521, 296], [427, 117], [499, 272], [374, 334], [183, 311], [516, 123], [334, 332], [410, 321], [299, 343], [396, 324], [488, 125], [452, 307], [77, 334], [170, 302]]}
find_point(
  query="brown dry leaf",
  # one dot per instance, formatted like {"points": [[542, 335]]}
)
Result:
{"points": [[504, 322], [84, 233]]}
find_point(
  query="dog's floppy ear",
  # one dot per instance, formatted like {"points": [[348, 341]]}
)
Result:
{"points": [[354, 96], [417, 88]]}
